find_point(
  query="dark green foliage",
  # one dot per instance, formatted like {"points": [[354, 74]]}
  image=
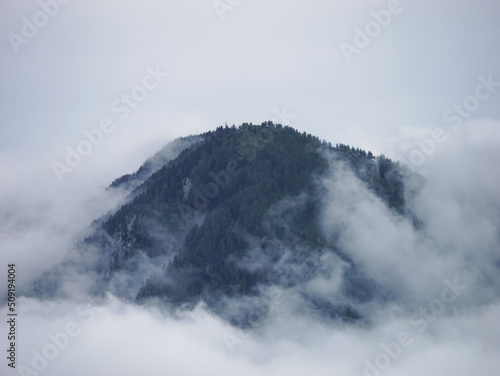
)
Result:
{"points": [[214, 198], [389, 183]]}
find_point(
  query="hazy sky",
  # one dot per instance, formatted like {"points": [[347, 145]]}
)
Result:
{"points": [[238, 64], [430, 72]]}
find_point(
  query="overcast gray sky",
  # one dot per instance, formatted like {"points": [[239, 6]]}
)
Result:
{"points": [[239, 64]]}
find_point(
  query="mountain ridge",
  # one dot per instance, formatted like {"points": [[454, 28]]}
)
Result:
{"points": [[199, 215]]}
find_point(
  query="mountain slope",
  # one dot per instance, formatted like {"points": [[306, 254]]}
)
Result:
{"points": [[236, 212]]}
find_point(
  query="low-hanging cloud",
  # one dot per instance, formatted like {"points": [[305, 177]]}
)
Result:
{"points": [[440, 317]]}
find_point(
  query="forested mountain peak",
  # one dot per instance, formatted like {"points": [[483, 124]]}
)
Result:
{"points": [[229, 213]]}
